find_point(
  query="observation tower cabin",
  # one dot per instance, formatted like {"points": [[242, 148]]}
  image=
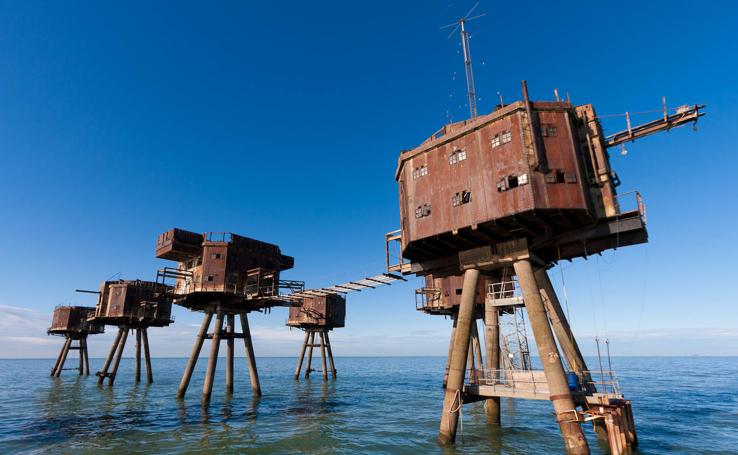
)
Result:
{"points": [[520, 189], [318, 314], [71, 322], [131, 305], [227, 275]]}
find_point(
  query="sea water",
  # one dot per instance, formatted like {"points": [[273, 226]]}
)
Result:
{"points": [[377, 405]]}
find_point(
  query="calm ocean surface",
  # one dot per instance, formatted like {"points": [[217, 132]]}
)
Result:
{"points": [[377, 405]]}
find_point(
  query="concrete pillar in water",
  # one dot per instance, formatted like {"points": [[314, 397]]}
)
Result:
{"points": [[147, 355], [101, 375], [118, 355], [195, 354], [250, 357], [207, 386], [138, 355], [302, 355], [231, 320], [492, 347], [558, 386], [330, 354], [452, 401], [560, 324]]}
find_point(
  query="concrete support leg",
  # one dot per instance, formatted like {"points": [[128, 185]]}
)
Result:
{"points": [[102, 373], [450, 349], [561, 398], [302, 356], [147, 355], [87, 357], [207, 386], [470, 359], [492, 348], [231, 322], [324, 368], [560, 324], [330, 354], [185, 382], [138, 355], [81, 367], [118, 355], [477, 347], [59, 365], [310, 355], [452, 401], [250, 357]]}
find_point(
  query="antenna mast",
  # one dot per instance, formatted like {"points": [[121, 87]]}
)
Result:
{"points": [[470, 90]]}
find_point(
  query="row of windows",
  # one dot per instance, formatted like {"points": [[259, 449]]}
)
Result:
{"points": [[548, 130], [457, 156], [503, 138], [512, 181], [420, 172], [559, 176]]}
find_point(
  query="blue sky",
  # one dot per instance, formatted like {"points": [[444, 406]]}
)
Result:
{"points": [[283, 122]]}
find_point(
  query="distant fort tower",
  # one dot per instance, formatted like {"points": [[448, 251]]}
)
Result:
{"points": [[225, 275], [318, 315], [502, 197], [131, 305], [71, 323]]}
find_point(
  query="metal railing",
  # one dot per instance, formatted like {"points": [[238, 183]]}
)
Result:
{"points": [[628, 199], [534, 381], [395, 261], [427, 298]]}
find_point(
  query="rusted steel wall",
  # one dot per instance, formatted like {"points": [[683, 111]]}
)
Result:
{"points": [[134, 299], [450, 290], [503, 166], [319, 311], [73, 319]]}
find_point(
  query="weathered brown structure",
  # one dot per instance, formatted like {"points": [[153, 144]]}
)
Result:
{"points": [[318, 315], [520, 189], [71, 322], [225, 275], [131, 305]]}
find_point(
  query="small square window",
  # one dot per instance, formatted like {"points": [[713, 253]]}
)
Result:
{"points": [[506, 137], [496, 141], [215, 256], [523, 179], [211, 277]]}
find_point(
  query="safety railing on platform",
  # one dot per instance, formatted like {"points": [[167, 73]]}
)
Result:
{"points": [[393, 252], [534, 381], [632, 201], [427, 298]]}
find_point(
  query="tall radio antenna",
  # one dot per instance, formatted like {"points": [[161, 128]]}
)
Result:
{"points": [[461, 26]]}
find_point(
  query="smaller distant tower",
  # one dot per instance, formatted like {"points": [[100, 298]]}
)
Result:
{"points": [[71, 323], [131, 305], [318, 315]]}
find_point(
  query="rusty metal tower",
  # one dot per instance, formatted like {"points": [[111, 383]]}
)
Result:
{"points": [[223, 275], [518, 190], [323, 309], [71, 322], [130, 305]]}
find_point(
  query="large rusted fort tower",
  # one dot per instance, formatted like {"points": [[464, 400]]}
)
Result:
{"points": [[131, 305], [71, 323], [225, 275], [511, 193]]}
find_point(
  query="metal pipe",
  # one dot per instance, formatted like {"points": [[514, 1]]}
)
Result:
{"points": [[147, 355], [301, 356], [207, 386], [558, 386], [118, 355], [250, 357], [195, 354], [452, 401]]}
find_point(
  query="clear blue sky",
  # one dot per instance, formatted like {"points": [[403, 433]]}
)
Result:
{"points": [[283, 121]]}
